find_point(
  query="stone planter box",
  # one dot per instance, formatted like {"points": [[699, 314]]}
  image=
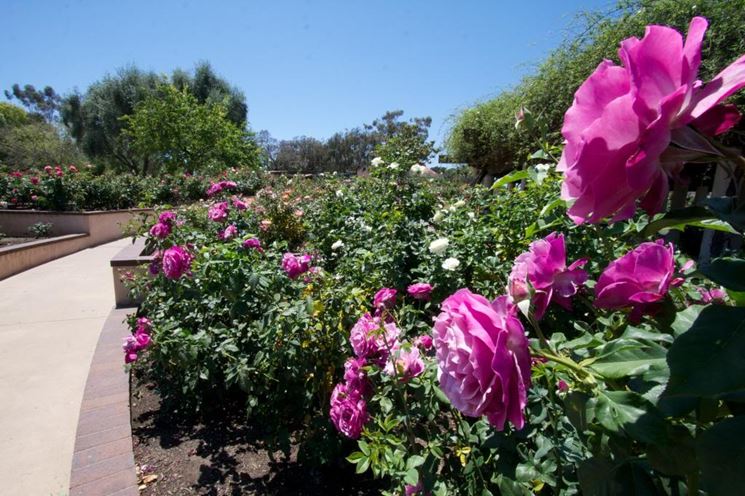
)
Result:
{"points": [[131, 259], [71, 231]]}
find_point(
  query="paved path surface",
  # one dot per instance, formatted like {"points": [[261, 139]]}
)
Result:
{"points": [[50, 320]]}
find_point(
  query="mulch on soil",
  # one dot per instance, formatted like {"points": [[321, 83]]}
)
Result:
{"points": [[222, 456], [8, 241]]}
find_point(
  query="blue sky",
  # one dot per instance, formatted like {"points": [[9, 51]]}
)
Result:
{"points": [[307, 67]]}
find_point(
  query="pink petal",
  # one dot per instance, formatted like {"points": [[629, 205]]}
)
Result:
{"points": [[727, 82], [692, 49]]}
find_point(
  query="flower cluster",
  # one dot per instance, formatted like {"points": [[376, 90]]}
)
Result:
{"points": [[139, 341], [162, 229], [219, 186]]}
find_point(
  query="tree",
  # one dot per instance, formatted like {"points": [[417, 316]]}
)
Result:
{"points": [[94, 118], [36, 144], [43, 104], [268, 148], [171, 129], [302, 154], [12, 116]]}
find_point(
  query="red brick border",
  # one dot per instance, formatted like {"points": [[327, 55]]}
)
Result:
{"points": [[103, 462]]}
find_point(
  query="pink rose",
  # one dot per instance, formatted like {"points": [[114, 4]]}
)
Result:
{"points": [[715, 295], [348, 411], [384, 298], [167, 217], [294, 265], [624, 119], [34, 180], [424, 342], [144, 324], [239, 204], [420, 291], [406, 364], [543, 268], [218, 212], [160, 230], [370, 338], [176, 262], [355, 378], [229, 232], [264, 225], [638, 279], [483, 358], [253, 244]]}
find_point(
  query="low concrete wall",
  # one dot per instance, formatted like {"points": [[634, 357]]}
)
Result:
{"points": [[72, 231], [101, 226], [17, 258], [129, 260]]}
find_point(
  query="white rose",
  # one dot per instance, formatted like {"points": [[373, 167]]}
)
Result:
{"points": [[459, 203], [451, 264], [438, 216], [417, 169], [471, 215], [439, 246], [376, 161], [337, 244], [394, 166], [339, 193]]}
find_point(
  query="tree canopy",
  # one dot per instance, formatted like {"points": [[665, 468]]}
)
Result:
{"points": [[96, 118]]}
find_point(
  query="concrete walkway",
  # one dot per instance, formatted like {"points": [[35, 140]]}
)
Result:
{"points": [[50, 319]]}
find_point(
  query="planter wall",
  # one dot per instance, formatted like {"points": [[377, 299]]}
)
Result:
{"points": [[71, 231], [129, 260]]}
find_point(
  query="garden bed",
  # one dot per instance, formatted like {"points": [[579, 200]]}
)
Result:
{"points": [[11, 241], [224, 455]]}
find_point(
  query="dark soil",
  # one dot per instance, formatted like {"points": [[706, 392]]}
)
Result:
{"points": [[222, 456], [8, 241]]}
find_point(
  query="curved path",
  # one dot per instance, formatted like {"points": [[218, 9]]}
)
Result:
{"points": [[50, 320]]}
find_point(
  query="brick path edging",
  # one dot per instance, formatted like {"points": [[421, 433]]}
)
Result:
{"points": [[103, 460]]}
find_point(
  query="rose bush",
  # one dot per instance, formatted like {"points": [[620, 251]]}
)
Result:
{"points": [[377, 308]]}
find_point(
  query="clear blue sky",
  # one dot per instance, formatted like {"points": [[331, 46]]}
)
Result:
{"points": [[307, 67]]}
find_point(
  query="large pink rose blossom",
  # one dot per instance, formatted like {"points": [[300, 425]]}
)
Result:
{"points": [[295, 265], [624, 119], [160, 230], [638, 279], [385, 298], [544, 269], [253, 244], [372, 339], [167, 217], [483, 358], [348, 411], [420, 291], [218, 212], [176, 262]]}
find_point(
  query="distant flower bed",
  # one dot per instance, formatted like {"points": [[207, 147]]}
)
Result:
{"points": [[539, 339], [64, 188]]}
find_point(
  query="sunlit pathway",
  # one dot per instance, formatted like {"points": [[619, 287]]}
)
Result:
{"points": [[50, 319]]}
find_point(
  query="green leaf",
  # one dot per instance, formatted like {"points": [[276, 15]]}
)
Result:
{"points": [[677, 456], [411, 477], [628, 412], [605, 477], [685, 319], [707, 360], [510, 178], [721, 453], [729, 272], [628, 358], [689, 216]]}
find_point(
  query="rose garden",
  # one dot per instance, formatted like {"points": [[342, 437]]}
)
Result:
{"points": [[562, 330]]}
